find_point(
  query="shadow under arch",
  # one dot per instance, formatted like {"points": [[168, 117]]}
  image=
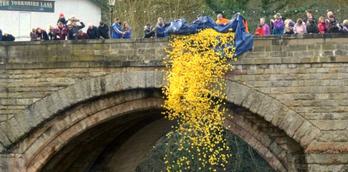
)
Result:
{"points": [[44, 113]]}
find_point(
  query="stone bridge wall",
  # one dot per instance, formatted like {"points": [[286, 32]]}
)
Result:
{"points": [[308, 75]]}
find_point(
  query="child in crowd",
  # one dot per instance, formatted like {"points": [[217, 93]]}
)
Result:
{"points": [[300, 27], [322, 25], [277, 25]]}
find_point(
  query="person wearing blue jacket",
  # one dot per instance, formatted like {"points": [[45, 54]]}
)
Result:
{"points": [[127, 31], [161, 28], [116, 29]]}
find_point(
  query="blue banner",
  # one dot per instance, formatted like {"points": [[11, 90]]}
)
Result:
{"points": [[243, 41]]}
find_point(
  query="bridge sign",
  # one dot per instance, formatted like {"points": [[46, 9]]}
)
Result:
{"points": [[34, 6]]}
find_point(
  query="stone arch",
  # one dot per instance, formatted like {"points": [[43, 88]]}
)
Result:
{"points": [[47, 110], [273, 111]]}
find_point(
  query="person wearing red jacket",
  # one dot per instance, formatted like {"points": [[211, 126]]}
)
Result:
{"points": [[322, 25], [259, 31]]}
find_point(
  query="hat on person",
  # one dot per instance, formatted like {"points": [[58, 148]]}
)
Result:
{"points": [[61, 15]]}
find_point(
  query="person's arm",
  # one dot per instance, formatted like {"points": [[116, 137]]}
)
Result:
{"points": [[114, 27], [82, 25]]}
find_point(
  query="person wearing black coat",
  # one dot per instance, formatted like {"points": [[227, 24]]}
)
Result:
{"points": [[42, 34], [8, 37], [311, 26], [74, 29], [103, 30], [149, 31], [92, 32]]}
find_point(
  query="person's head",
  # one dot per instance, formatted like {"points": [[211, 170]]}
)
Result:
{"points": [[74, 19], [116, 20], [345, 22], [288, 23], [299, 21], [160, 20], [33, 30], [90, 25], [101, 23], [61, 15], [125, 25], [219, 16], [147, 27], [262, 21], [309, 14], [60, 24], [38, 30], [330, 15], [321, 19], [277, 16]]}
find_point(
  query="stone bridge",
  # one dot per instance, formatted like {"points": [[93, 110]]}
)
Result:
{"points": [[96, 105]]}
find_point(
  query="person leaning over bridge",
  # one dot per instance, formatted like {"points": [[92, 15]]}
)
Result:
{"points": [[332, 24], [116, 29], [62, 31], [300, 27], [41, 34], [103, 30], [33, 35], [73, 28], [8, 37], [322, 25], [160, 28], [82, 35], [92, 32], [277, 25], [53, 33], [311, 24], [289, 27], [127, 31], [221, 20], [149, 31]]}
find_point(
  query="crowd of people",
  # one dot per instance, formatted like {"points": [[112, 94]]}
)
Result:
{"points": [[307, 25], [71, 29], [276, 26]]}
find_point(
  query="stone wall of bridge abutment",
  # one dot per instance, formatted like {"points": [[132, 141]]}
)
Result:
{"points": [[308, 75]]}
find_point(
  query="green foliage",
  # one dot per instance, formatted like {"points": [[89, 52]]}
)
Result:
{"points": [[244, 158], [140, 12]]}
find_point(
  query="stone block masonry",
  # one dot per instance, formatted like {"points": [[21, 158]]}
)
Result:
{"points": [[297, 85]]}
